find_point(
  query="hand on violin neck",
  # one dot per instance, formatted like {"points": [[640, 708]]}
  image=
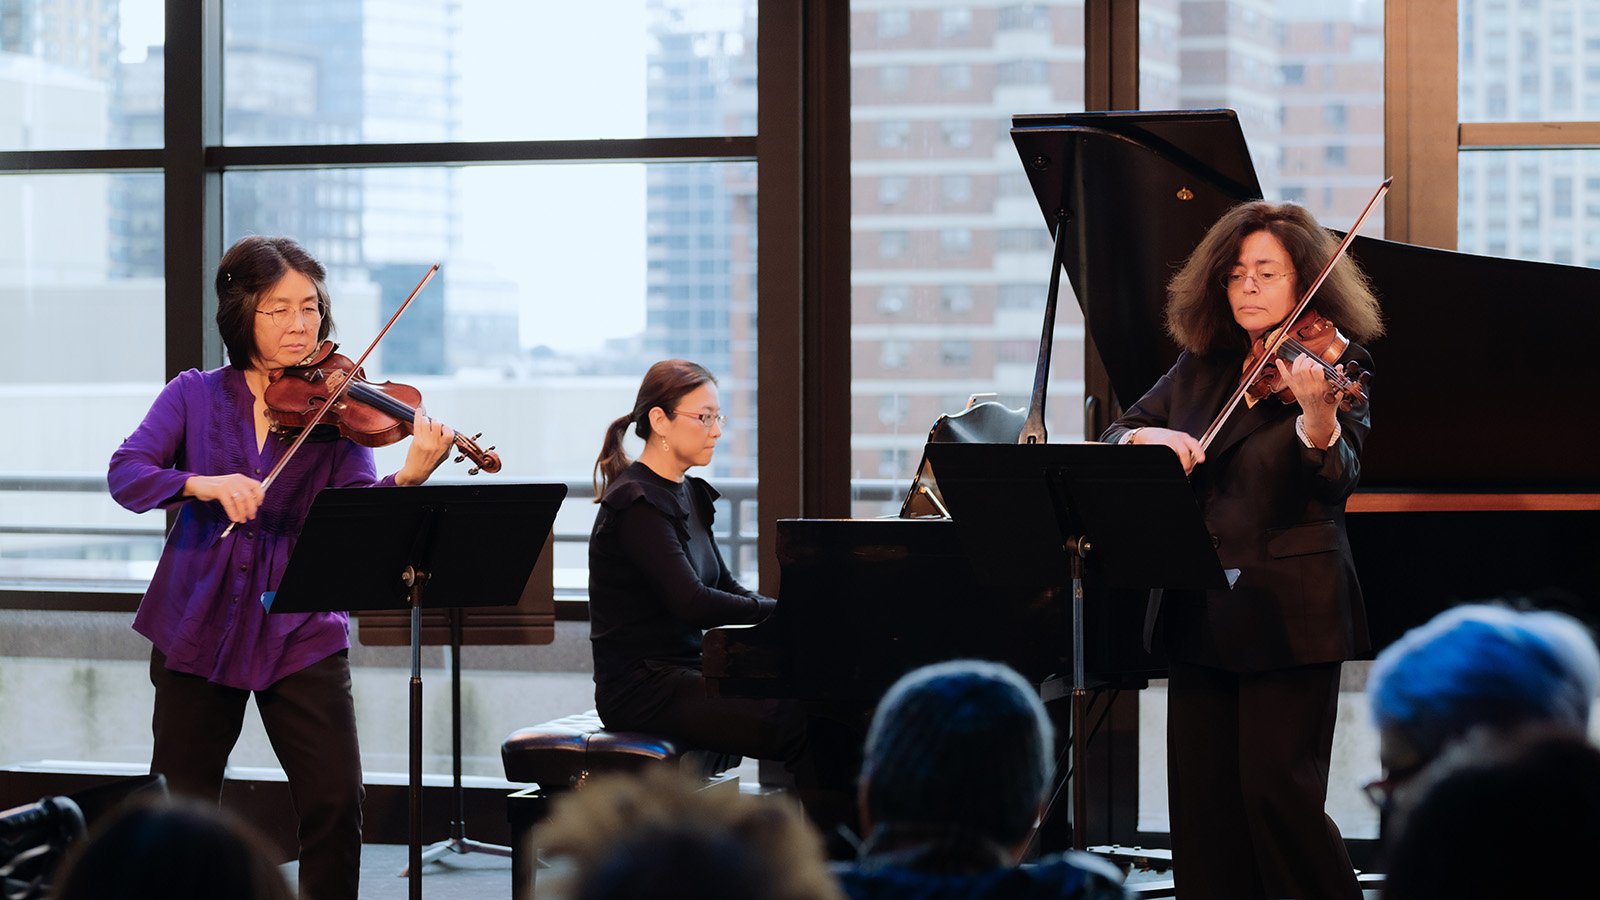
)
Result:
{"points": [[431, 442], [1318, 402], [1189, 451]]}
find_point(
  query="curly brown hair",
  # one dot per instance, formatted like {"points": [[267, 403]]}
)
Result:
{"points": [[656, 835], [1198, 315]]}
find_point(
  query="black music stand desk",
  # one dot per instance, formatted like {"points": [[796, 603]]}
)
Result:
{"points": [[434, 546], [1028, 512]]}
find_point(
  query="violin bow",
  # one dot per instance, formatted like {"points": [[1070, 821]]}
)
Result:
{"points": [[1281, 334], [338, 392]]}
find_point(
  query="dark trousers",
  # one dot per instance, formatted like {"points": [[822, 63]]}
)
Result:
{"points": [[1247, 770], [310, 719], [823, 753]]}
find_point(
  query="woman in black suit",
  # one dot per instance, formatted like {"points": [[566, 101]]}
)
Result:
{"points": [[1254, 671]]}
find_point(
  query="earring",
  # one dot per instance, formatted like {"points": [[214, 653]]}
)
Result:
{"points": [[664, 445]]}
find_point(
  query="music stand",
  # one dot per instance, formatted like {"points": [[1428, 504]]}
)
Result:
{"points": [[437, 546], [1025, 511]]}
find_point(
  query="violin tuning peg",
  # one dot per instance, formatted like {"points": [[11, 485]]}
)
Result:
{"points": [[459, 458], [473, 470], [491, 447], [478, 435]]}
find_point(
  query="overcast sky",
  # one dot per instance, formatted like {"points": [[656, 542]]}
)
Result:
{"points": [[571, 237]]}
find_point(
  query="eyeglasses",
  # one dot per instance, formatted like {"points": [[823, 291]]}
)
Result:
{"points": [[706, 419], [287, 316], [1263, 280], [1379, 793]]}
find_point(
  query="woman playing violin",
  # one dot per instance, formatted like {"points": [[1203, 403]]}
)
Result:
{"points": [[204, 448], [1254, 672]]}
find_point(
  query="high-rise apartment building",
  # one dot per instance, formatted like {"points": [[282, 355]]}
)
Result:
{"points": [[700, 219], [1530, 62]]}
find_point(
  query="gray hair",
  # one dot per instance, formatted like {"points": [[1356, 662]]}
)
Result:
{"points": [[1484, 665], [959, 745]]}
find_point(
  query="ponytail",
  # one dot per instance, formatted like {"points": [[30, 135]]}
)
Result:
{"points": [[613, 459]]}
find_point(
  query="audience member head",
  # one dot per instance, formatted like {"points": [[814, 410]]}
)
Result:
{"points": [[172, 850], [1453, 835], [1478, 665], [658, 838], [961, 747], [664, 385]]}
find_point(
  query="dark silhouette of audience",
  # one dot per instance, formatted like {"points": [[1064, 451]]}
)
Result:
{"points": [[657, 837], [1470, 668], [172, 850], [957, 765], [1500, 816]]}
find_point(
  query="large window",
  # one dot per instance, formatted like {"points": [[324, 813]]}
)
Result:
{"points": [[538, 327], [331, 72], [1529, 62], [571, 261], [83, 365], [950, 255], [1306, 80], [80, 76]]}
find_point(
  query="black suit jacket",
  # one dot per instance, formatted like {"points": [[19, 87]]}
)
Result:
{"points": [[1275, 509]]}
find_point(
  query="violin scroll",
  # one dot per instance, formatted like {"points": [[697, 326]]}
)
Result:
{"points": [[485, 460]]}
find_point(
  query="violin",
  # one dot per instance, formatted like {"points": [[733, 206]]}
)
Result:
{"points": [[1267, 352], [1315, 336], [370, 414]]}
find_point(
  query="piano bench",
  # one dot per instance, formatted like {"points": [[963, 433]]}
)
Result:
{"points": [[562, 754]]}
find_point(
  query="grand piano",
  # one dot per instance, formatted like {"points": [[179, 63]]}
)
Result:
{"points": [[1481, 477]]}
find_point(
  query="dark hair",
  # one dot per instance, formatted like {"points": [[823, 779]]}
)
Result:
{"points": [[1449, 841], [961, 745], [1198, 315], [162, 850], [667, 382], [250, 267]]}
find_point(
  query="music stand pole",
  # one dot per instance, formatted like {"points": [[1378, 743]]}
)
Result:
{"points": [[414, 581], [458, 842], [1078, 548], [449, 545]]}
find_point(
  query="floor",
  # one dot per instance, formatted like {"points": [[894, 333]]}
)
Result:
{"points": [[469, 876], [474, 876]]}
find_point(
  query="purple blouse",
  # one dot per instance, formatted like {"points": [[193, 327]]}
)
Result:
{"points": [[203, 609]]}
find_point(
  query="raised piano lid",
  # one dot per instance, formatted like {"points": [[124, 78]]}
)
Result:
{"points": [[1482, 382]]}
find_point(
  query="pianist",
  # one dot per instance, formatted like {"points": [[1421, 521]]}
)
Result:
{"points": [[657, 581], [1254, 672]]}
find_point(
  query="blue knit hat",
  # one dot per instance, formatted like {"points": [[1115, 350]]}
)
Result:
{"points": [[960, 745]]}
